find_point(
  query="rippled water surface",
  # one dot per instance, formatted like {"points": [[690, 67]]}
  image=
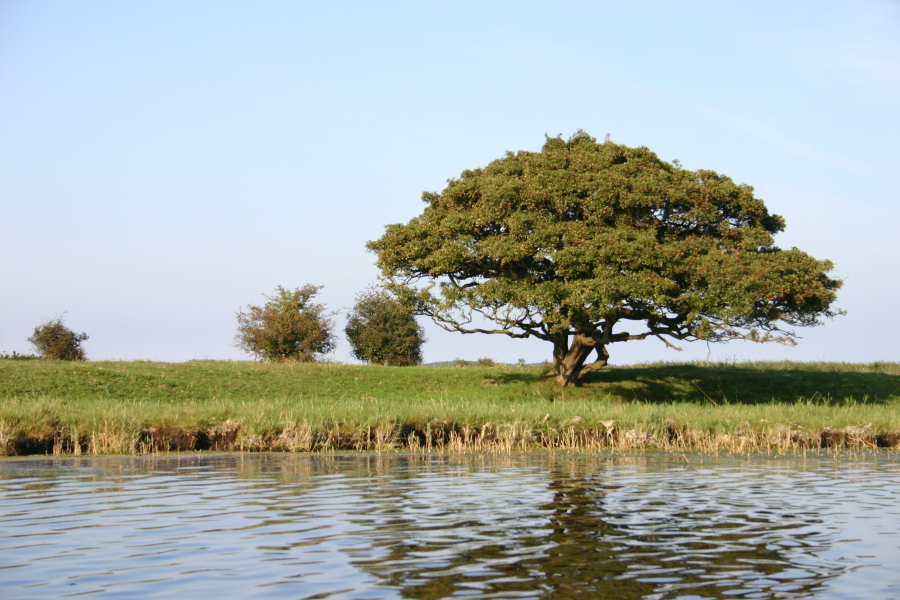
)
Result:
{"points": [[399, 526]]}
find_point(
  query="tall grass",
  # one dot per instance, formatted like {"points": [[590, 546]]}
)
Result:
{"points": [[126, 407]]}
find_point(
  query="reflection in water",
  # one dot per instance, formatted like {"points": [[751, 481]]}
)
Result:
{"points": [[426, 527]]}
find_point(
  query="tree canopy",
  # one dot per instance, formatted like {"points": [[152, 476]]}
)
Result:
{"points": [[575, 242]]}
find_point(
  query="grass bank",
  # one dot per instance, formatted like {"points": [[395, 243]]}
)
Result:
{"points": [[57, 407]]}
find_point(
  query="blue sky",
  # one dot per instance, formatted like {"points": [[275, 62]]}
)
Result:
{"points": [[163, 164]]}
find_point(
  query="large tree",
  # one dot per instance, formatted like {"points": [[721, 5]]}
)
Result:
{"points": [[575, 242]]}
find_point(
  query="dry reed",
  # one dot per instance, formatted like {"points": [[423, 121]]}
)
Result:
{"points": [[389, 435]]}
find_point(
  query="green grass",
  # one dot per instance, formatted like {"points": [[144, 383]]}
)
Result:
{"points": [[56, 406]]}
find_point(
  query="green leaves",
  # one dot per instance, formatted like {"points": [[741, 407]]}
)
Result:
{"points": [[584, 234], [289, 327], [382, 329], [52, 339]]}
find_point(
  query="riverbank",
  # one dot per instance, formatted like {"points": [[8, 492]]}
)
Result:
{"points": [[55, 407]]}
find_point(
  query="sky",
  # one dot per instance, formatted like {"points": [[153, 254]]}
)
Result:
{"points": [[164, 164]]}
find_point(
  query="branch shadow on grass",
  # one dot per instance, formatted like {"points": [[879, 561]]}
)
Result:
{"points": [[727, 384]]}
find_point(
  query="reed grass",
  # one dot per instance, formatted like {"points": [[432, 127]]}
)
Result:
{"points": [[58, 407]]}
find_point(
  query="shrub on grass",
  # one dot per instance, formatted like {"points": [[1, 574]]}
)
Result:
{"points": [[383, 330], [16, 356], [52, 339], [289, 327], [481, 362]]}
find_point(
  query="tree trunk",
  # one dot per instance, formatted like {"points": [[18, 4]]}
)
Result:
{"points": [[569, 361]]}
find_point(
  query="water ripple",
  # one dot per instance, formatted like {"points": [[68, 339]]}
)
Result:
{"points": [[400, 526]]}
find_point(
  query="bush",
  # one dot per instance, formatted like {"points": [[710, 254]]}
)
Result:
{"points": [[290, 327], [16, 356], [383, 330], [481, 362], [52, 339]]}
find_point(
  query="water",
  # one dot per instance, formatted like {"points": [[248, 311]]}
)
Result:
{"points": [[428, 527]]}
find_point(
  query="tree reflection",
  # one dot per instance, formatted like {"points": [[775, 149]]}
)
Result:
{"points": [[598, 538]]}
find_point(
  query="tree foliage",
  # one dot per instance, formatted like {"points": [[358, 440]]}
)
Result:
{"points": [[52, 339], [383, 330], [289, 327], [574, 242]]}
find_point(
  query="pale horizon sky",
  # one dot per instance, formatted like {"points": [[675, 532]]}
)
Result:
{"points": [[163, 164]]}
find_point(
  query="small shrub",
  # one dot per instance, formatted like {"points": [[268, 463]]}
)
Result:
{"points": [[383, 330], [52, 339], [290, 327], [481, 362], [16, 356]]}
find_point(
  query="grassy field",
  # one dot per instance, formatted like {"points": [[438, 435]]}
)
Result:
{"points": [[57, 407]]}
